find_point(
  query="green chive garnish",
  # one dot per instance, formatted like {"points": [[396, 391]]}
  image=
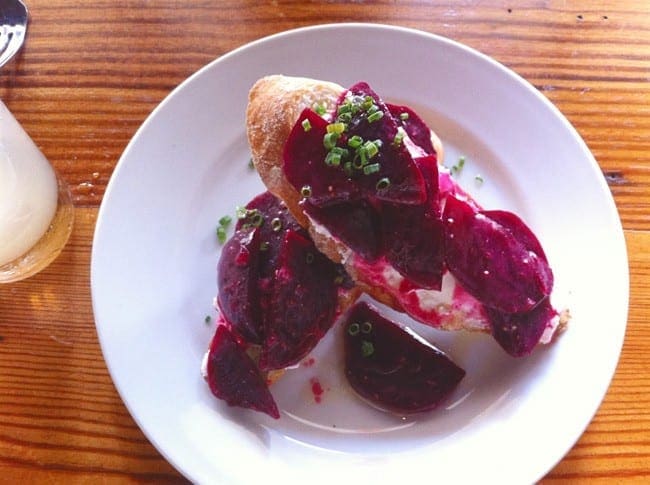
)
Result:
{"points": [[321, 109], [355, 141], [264, 245], [251, 164], [404, 116], [337, 128], [366, 327], [354, 329], [257, 219], [479, 179], [372, 148], [207, 319], [376, 116], [225, 221], [221, 234], [305, 191], [383, 183], [306, 125], [367, 348], [399, 137], [276, 224], [329, 140], [370, 169], [333, 159], [240, 212]]}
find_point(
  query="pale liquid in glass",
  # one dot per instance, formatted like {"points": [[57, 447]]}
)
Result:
{"points": [[35, 208]]}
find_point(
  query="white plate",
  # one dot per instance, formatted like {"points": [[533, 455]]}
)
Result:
{"points": [[154, 257]]}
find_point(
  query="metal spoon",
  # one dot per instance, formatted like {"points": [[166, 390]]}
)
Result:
{"points": [[13, 25]]}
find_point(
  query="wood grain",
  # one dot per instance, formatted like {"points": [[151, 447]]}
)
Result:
{"points": [[92, 71]]}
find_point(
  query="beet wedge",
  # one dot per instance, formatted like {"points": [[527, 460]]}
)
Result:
{"points": [[234, 377], [389, 367]]}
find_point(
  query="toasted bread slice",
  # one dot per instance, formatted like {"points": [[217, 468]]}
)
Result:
{"points": [[275, 104]]}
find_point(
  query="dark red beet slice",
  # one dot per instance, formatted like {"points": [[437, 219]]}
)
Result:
{"points": [[519, 333], [392, 369], [356, 224], [304, 163], [275, 221], [491, 263], [302, 303], [414, 235], [518, 229], [406, 182], [238, 270], [415, 127], [233, 376], [414, 240]]}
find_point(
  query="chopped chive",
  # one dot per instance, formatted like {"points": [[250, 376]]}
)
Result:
{"points": [[207, 319], [264, 245], [276, 224], [337, 128], [370, 169], [455, 169], [257, 219], [366, 327], [399, 137], [338, 280], [478, 178], [221, 234], [383, 183], [344, 117], [367, 103], [320, 108], [333, 159], [347, 168], [306, 125], [225, 221], [373, 109], [251, 164], [240, 212], [344, 108], [367, 348], [404, 116], [371, 148], [355, 141], [376, 116], [329, 140], [354, 329], [305, 191]]}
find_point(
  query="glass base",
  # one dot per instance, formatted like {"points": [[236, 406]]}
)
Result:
{"points": [[49, 246]]}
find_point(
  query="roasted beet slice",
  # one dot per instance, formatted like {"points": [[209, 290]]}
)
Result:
{"points": [[405, 183], [519, 333], [302, 304], [233, 376], [305, 167], [356, 224], [415, 127], [389, 367], [490, 261], [414, 234], [519, 230], [238, 270], [414, 241], [272, 219]]}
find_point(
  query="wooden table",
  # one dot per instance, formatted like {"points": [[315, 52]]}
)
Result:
{"points": [[92, 71]]}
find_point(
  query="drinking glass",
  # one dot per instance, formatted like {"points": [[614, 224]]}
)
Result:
{"points": [[36, 211]]}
